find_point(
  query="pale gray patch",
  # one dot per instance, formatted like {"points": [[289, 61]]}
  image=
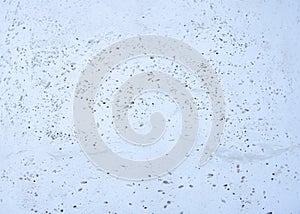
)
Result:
{"points": [[107, 59]]}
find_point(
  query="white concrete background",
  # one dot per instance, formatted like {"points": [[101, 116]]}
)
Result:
{"points": [[253, 46]]}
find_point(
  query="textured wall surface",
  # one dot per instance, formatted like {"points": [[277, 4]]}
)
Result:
{"points": [[253, 46]]}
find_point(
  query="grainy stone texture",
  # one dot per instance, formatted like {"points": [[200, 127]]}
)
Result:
{"points": [[252, 45]]}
